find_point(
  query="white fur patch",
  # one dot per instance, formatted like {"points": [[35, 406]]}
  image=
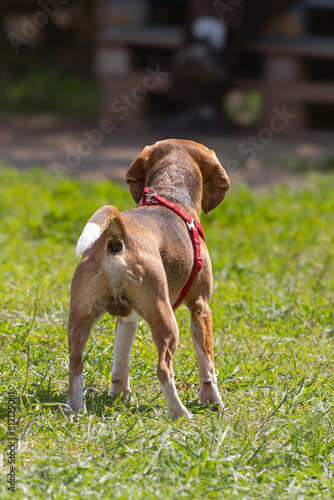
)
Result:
{"points": [[75, 402], [175, 408], [130, 318], [89, 235], [205, 366]]}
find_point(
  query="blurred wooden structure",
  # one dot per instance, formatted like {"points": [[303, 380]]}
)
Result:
{"points": [[129, 44], [290, 63], [47, 35], [297, 70]]}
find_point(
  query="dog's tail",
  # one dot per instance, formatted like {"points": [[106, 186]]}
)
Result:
{"points": [[106, 220]]}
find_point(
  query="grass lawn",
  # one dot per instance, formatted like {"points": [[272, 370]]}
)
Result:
{"points": [[272, 255]]}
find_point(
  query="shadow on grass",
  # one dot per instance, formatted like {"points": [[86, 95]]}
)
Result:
{"points": [[100, 404]]}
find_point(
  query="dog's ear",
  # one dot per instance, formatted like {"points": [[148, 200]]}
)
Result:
{"points": [[137, 174], [215, 180]]}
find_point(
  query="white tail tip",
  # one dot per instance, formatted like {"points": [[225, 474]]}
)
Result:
{"points": [[89, 235]]}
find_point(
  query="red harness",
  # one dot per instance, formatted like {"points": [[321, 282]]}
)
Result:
{"points": [[150, 197]]}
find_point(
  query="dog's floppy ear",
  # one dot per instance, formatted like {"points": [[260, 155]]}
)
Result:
{"points": [[215, 180], [137, 174]]}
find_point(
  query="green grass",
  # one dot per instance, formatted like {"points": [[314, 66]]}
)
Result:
{"points": [[272, 255], [49, 92]]}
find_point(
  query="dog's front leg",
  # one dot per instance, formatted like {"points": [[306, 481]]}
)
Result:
{"points": [[201, 333], [125, 333], [165, 334]]}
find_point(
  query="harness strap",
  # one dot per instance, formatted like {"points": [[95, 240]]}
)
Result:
{"points": [[150, 197]]}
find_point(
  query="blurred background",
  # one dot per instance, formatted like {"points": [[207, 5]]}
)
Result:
{"points": [[85, 85]]}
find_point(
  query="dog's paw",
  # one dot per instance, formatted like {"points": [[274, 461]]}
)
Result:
{"points": [[176, 413], [73, 407], [115, 392], [209, 394]]}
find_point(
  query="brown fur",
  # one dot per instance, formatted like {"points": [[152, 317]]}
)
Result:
{"points": [[142, 261]]}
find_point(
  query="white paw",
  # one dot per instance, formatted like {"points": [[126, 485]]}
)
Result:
{"points": [[74, 406], [117, 389], [209, 394], [176, 413]]}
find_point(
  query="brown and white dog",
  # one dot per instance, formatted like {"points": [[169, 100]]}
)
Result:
{"points": [[136, 263]]}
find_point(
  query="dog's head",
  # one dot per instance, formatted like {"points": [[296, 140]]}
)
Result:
{"points": [[215, 180]]}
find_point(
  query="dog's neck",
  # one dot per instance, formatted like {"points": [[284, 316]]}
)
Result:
{"points": [[182, 186]]}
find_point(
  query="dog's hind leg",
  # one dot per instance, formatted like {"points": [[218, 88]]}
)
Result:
{"points": [[125, 333], [201, 333], [87, 306], [165, 334], [79, 327]]}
